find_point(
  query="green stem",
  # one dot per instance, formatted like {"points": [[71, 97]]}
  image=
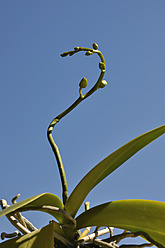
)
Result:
{"points": [[69, 109]]}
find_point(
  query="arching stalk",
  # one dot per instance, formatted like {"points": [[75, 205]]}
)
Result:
{"points": [[83, 83]]}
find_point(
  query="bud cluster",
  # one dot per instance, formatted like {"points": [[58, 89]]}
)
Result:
{"points": [[83, 83]]}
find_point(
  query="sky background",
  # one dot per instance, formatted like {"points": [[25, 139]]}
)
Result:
{"points": [[37, 84]]}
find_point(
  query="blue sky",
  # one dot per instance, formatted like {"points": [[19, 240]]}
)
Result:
{"points": [[37, 84]]}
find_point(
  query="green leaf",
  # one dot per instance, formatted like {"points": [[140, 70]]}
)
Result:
{"points": [[132, 215], [107, 166], [37, 201], [41, 238]]}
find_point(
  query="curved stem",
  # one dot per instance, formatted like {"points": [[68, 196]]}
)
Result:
{"points": [[97, 85]]}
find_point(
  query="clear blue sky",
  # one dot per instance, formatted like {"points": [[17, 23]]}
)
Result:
{"points": [[37, 84]]}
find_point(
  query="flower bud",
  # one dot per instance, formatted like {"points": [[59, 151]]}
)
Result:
{"points": [[95, 46], [83, 83], [102, 66], [64, 54], [71, 53], [88, 53], [102, 84]]}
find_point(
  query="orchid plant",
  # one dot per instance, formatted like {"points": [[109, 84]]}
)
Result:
{"points": [[144, 218]]}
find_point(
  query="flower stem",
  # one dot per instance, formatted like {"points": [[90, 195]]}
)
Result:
{"points": [[68, 110]]}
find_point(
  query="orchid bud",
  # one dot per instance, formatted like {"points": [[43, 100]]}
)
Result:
{"points": [[64, 54], [71, 53], [83, 83], [102, 66], [95, 46], [88, 53], [103, 83], [76, 48]]}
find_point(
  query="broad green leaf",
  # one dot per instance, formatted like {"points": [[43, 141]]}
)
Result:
{"points": [[107, 166], [37, 201], [41, 238], [132, 215]]}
